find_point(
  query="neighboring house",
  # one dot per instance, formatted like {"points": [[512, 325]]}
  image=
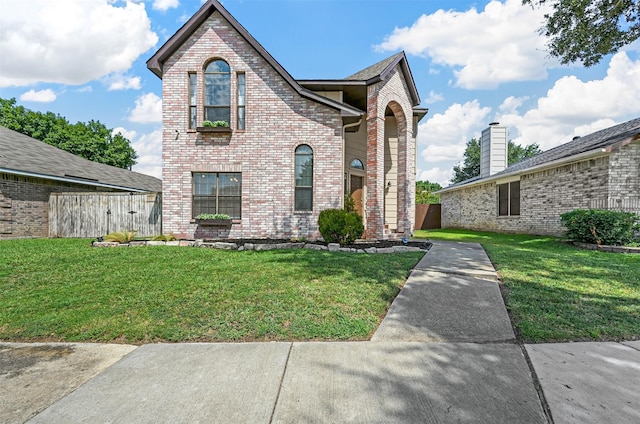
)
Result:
{"points": [[600, 170], [30, 170], [292, 148]]}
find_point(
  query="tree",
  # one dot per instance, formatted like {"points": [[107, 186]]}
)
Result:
{"points": [[424, 192], [587, 30], [471, 165], [91, 140]]}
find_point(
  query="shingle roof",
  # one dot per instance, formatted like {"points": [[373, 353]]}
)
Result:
{"points": [[22, 154], [599, 139], [605, 139], [376, 69]]}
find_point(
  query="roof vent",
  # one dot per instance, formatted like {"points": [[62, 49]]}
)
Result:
{"points": [[494, 123], [575, 138]]}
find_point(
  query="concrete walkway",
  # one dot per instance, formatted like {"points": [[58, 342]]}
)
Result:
{"points": [[444, 353]]}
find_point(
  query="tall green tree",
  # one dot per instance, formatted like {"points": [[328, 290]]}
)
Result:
{"points": [[424, 192], [587, 30], [91, 140], [471, 166]]}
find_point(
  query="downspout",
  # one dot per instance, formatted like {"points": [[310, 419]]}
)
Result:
{"points": [[344, 148]]}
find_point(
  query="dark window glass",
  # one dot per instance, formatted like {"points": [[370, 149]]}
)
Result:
{"points": [[304, 178], [357, 164], [217, 193], [217, 91], [503, 199], [193, 114], [514, 198]]}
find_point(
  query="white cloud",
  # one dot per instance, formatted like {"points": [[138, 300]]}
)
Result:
{"points": [[575, 107], [70, 41], [164, 5], [148, 109], [42, 96], [511, 104], [119, 81], [435, 175], [149, 150], [499, 44], [433, 97]]}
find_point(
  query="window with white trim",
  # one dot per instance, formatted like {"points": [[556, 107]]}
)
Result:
{"points": [[509, 199]]}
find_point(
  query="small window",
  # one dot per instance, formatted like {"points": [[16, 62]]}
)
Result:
{"points": [[217, 192], [193, 108], [304, 178], [241, 100], [357, 164], [509, 199], [217, 91]]}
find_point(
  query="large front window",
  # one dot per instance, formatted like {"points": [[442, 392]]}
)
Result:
{"points": [[217, 192], [217, 91], [304, 178]]}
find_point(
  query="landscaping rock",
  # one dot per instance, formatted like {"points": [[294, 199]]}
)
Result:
{"points": [[173, 243], [333, 247], [371, 250], [312, 246], [386, 250], [225, 246], [155, 243], [249, 246], [283, 246], [105, 244], [265, 246]]}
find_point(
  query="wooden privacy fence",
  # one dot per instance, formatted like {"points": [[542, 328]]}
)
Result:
{"points": [[428, 216], [96, 214]]}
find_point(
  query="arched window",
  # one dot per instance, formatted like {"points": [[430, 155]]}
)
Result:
{"points": [[304, 178], [217, 91], [357, 164]]}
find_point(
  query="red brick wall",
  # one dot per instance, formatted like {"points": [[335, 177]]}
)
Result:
{"points": [[277, 121]]}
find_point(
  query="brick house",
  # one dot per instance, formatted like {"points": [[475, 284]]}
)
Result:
{"points": [[30, 170], [600, 171], [292, 148]]}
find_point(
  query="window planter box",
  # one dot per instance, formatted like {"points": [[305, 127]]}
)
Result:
{"points": [[214, 222], [218, 130]]}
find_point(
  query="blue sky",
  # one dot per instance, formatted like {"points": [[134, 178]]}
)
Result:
{"points": [[473, 63]]}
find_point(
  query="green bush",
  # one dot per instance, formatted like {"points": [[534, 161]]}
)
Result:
{"points": [[123, 236], [601, 226], [340, 226], [213, 216], [164, 237]]}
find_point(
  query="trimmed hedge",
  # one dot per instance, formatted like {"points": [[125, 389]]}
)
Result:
{"points": [[599, 226], [340, 226]]}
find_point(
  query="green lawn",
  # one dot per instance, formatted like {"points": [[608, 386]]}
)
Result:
{"points": [[555, 291], [62, 289]]}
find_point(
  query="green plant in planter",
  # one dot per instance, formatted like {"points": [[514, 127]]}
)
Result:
{"points": [[164, 237], [215, 124], [207, 216]]}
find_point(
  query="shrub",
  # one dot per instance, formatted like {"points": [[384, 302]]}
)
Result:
{"points": [[340, 226], [123, 236], [213, 216], [349, 204], [164, 237], [601, 226], [215, 124]]}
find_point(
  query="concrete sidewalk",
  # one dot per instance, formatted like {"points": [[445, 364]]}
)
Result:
{"points": [[444, 353]]}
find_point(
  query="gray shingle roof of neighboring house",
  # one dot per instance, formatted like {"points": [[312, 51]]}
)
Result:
{"points": [[24, 155], [602, 141]]}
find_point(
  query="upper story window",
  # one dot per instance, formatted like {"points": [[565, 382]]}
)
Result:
{"points": [[304, 178], [217, 91], [241, 99], [193, 105], [357, 164]]}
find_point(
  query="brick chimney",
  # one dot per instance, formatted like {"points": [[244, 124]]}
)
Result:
{"points": [[493, 150]]}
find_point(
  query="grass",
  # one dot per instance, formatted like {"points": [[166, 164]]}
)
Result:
{"points": [[64, 290], [557, 292]]}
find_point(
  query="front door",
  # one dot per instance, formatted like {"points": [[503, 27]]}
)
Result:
{"points": [[357, 192]]}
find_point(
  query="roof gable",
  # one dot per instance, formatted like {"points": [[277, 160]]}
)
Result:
{"points": [[602, 142], [380, 70], [21, 154], [156, 62]]}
